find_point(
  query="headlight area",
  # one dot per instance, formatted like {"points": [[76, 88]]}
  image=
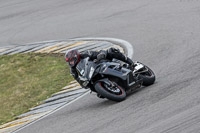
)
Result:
{"points": [[91, 72]]}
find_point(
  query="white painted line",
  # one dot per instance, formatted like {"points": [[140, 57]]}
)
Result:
{"points": [[128, 47], [50, 113]]}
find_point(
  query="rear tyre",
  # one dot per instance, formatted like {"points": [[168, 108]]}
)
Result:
{"points": [[117, 94], [148, 77]]}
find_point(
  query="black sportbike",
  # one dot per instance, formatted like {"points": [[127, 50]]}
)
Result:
{"points": [[112, 79]]}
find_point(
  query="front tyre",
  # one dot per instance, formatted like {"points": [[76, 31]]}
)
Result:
{"points": [[115, 93], [148, 76]]}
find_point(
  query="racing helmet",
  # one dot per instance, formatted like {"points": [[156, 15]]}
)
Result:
{"points": [[72, 57]]}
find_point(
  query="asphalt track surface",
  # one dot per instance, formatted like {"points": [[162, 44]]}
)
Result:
{"points": [[166, 37]]}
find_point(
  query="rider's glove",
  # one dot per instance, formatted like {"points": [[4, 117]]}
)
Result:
{"points": [[101, 56], [95, 61]]}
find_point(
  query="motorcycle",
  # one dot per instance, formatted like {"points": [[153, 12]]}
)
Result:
{"points": [[112, 79]]}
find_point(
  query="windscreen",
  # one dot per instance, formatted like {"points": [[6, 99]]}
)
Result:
{"points": [[84, 68]]}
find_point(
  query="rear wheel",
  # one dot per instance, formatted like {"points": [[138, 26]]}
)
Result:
{"points": [[114, 92], [148, 76]]}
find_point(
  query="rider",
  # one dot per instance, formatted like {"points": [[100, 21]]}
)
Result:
{"points": [[73, 57]]}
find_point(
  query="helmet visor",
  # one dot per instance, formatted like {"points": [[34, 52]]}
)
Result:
{"points": [[72, 62]]}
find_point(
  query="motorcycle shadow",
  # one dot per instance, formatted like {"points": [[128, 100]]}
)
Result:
{"points": [[134, 91], [105, 103]]}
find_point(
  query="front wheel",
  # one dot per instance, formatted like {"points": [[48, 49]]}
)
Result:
{"points": [[114, 93], [148, 76]]}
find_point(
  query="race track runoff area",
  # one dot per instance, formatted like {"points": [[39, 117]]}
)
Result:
{"points": [[68, 94]]}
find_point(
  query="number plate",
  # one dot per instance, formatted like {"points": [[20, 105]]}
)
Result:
{"points": [[139, 66]]}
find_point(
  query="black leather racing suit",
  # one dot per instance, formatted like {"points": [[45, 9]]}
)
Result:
{"points": [[108, 54]]}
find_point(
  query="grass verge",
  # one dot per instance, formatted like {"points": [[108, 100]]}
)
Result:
{"points": [[27, 79]]}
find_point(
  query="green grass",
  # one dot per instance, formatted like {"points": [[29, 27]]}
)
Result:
{"points": [[27, 79]]}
